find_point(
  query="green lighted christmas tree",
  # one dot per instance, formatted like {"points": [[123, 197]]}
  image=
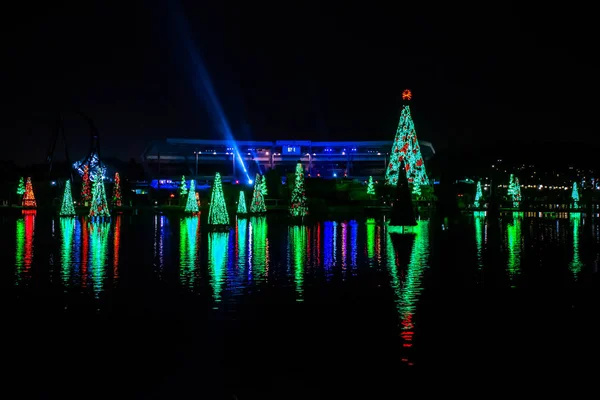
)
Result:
{"points": [[117, 198], [371, 187], [258, 200], [21, 187], [242, 204], [575, 195], [406, 150], [67, 209], [516, 193], [298, 206], [511, 186], [182, 187], [263, 185], [217, 214], [192, 203], [86, 185], [99, 206], [478, 195]]}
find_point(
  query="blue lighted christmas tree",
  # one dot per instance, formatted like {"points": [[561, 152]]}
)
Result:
{"points": [[575, 196], [478, 195]]}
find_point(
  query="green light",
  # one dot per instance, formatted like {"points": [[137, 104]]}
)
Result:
{"points": [[67, 228], [241, 234], [576, 264], [575, 196], [189, 228], [258, 258], [406, 150], [98, 254], [263, 186], [99, 206], [217, 214], [182, 187], [20, 247], [258, 199], [241, 210], [217, 261], [371, 240], [66, 208], [371, 187], [514, 239], [191, 206], [479, 224], [297, 244], [21, 187], [478, 195], [514, 191], [298, 206]]}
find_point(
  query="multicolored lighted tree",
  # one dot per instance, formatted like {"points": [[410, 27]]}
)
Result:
{"points": [[28, 196], [21, 187], [263, 185], [66, 208], [192, 203], [298, 206], [241, 210], [117, 197], [406, 150], [258, 199], [478, 195], [182, 187], [86, 185], [217, 214], [370, 187], [575, 196], [99, 206]]}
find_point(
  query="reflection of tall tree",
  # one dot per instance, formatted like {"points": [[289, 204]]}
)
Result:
{"points": [[24, 249], [258, 258], [371, 240], [67, 229], [189, 228], [514, 243], [117, 247], [98, 254], [217, 261], [239, 254], [297, 241], [353, 245], [479, 220], [408, 292], [330, 247], [576, 263]]}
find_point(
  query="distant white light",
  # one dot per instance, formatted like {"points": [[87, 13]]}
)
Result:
{"points": [[250, 181]]}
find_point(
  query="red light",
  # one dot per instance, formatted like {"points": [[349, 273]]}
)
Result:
{"points": [[237, 182], [172, 195], [406, 95]]}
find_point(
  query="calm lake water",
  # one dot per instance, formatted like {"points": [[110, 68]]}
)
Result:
{"points": [[157, 306]]}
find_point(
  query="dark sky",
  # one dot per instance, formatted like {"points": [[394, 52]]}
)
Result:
{"points": [[295, 70]]}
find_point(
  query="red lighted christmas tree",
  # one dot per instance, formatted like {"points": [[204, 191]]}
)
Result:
{"points": [[117, 198], [298, 206], [28, 196], [86, 186]]}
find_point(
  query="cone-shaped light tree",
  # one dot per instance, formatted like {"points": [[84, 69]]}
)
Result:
{"points": [[28, 196], [516, 193], [66, 208], [263, 185], [478, 195], [258, 199], [21, 187], [117, 197], [371, 187], [182, 187], [99, 206], [217, 214], [298, 206], [241, 209], [86, 185], [511, 186], [191, 206], [575, 196]]}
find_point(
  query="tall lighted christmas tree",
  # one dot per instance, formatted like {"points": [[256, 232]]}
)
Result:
{"points": [[66, 208], [263, 185], [28, 196], [575, 196], [192, 203], [21, 187], [370, 187], [511, 186], [478, 195], [516, 193], [258, 200], [242, 204], [99, 206], [217, 214], [406, 150], [117, 198], [182, 187], [298, 206], [86, 185]]}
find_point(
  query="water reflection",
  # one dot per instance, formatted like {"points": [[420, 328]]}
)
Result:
{"points": [[330, 247], [479, 220], [258, 258], [515, 244], [116, 248], [189, 229], [159, 242], [370, 243], [24, 245], [296, 257], [67, 230], [576, 263], [408, 292], [98, 254], [353, 244], [218, 243]]}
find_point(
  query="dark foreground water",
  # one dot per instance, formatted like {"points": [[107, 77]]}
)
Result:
{"points": [[160, 307]]}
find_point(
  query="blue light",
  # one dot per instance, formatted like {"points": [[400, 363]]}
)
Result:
{"points": [[334, 175], [250, 181]]}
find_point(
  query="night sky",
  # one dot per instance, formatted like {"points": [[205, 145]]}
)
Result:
{"points": [[295, 71]]}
